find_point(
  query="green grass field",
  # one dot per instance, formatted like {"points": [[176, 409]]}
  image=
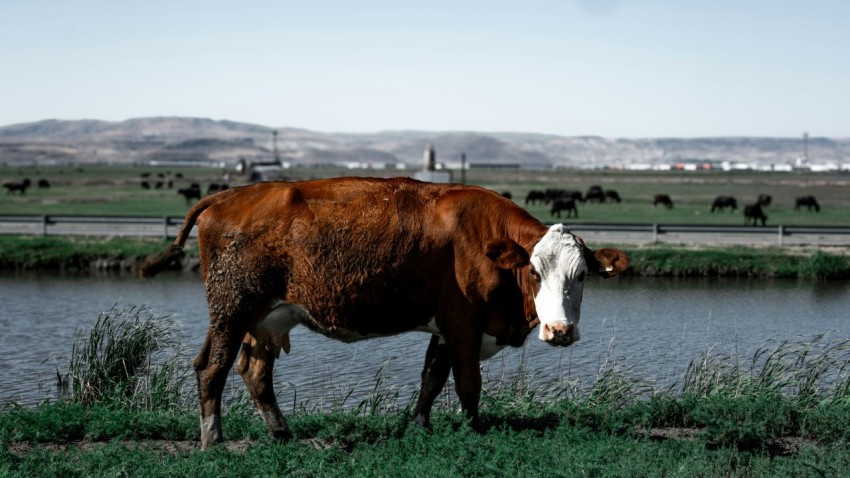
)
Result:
{"points": [[112, 190]]}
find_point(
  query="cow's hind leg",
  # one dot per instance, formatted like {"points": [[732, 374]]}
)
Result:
{"points": [[256, 366], [434, 376], [211, 368]]}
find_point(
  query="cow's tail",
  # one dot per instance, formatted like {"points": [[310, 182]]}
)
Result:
{"points": [[154, 264]]}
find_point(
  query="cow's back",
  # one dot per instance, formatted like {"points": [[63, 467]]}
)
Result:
{"points": [[366, 255]]}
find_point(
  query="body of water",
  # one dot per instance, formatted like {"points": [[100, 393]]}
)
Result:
{"points": [[652, 328]]}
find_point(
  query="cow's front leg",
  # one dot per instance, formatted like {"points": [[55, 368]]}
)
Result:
{"points": [[465, 353], [256, 366], [435, 372]]}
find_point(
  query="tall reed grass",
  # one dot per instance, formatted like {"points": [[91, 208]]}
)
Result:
{"points": [[811, 371], [129, 358]]}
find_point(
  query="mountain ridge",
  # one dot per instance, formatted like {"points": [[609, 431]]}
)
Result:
{"points": [[172, 138]]}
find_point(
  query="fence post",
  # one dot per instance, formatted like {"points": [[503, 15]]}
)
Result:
{"points": [[44, 225], [165, 227], [781, 234], [655, 233]]}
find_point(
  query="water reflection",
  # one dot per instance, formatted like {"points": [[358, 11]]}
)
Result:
{"points": [[653, 327]]}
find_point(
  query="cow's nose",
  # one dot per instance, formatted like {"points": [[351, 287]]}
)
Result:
{"points": [[559, 334]]}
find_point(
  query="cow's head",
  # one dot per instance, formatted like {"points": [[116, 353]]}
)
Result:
{"points": [[559, 264]]}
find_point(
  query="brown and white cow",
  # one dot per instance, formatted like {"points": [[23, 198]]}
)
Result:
{"points": [[354, 258]]}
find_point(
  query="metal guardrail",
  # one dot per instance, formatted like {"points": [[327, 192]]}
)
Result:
{"points": [[167, 226], [91, 225], [780, 232]]}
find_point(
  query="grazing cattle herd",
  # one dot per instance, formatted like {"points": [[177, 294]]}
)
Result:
{"points": [[557, 200], [354, 258]]}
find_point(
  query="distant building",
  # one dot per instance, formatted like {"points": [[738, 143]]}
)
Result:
{"points": [[429, 171]]}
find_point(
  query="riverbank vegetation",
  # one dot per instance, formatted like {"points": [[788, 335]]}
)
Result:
{"points": [[122, 254], [783, 412]]}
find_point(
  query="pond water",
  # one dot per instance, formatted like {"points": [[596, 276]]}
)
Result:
{"points": [[652, 328]]}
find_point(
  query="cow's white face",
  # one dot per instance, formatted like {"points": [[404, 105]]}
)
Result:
{"points": [[558, 265]]}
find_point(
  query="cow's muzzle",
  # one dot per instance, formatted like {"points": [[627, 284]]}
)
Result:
{"points": [[559, 334]]}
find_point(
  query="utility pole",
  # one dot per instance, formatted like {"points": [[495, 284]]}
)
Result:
{"points": [[806, 148], [274, 147], [463, 168]]}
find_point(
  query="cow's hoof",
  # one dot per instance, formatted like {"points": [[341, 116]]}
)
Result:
{"points": [[284, 435]]}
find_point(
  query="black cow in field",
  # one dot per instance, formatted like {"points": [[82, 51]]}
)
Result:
{"points": [[553, 194], [662, 199], [564, 204], [722, 202], [764, 200], [192, 192], [534, 196], [20, 187], [612, 195], [808, 202], [43, 184], [216, 187], [754, 213], [595, 194], [507, 195]]}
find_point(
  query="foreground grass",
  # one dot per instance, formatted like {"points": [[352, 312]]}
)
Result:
{"points": [[690, 436]]}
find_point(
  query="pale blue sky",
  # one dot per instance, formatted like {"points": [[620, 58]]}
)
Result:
{"points": [[614, 68]]}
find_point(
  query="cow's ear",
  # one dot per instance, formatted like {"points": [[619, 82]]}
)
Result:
{"points": [[506, 254], [607, 262]]}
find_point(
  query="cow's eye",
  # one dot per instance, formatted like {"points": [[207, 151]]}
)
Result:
{"points": [[533, 273], [582, 276]]}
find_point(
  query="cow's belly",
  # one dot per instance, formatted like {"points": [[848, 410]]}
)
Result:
{"points": [[489, 348], [284, 316]]}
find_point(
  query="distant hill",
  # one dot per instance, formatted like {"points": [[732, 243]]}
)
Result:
{"points": [[141, 140]]}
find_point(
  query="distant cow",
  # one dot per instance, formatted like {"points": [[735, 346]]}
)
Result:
{"points": [[507, 195], [146, 185], [808, 202], [355, 258], [612, 195], [21, 187], [764, 200], [662, 199], [722, 202], [754, 213], [555, 193], [190, 193], [216, 187], [43, 184], [564, 204], [534, 196], [594, 194]]}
